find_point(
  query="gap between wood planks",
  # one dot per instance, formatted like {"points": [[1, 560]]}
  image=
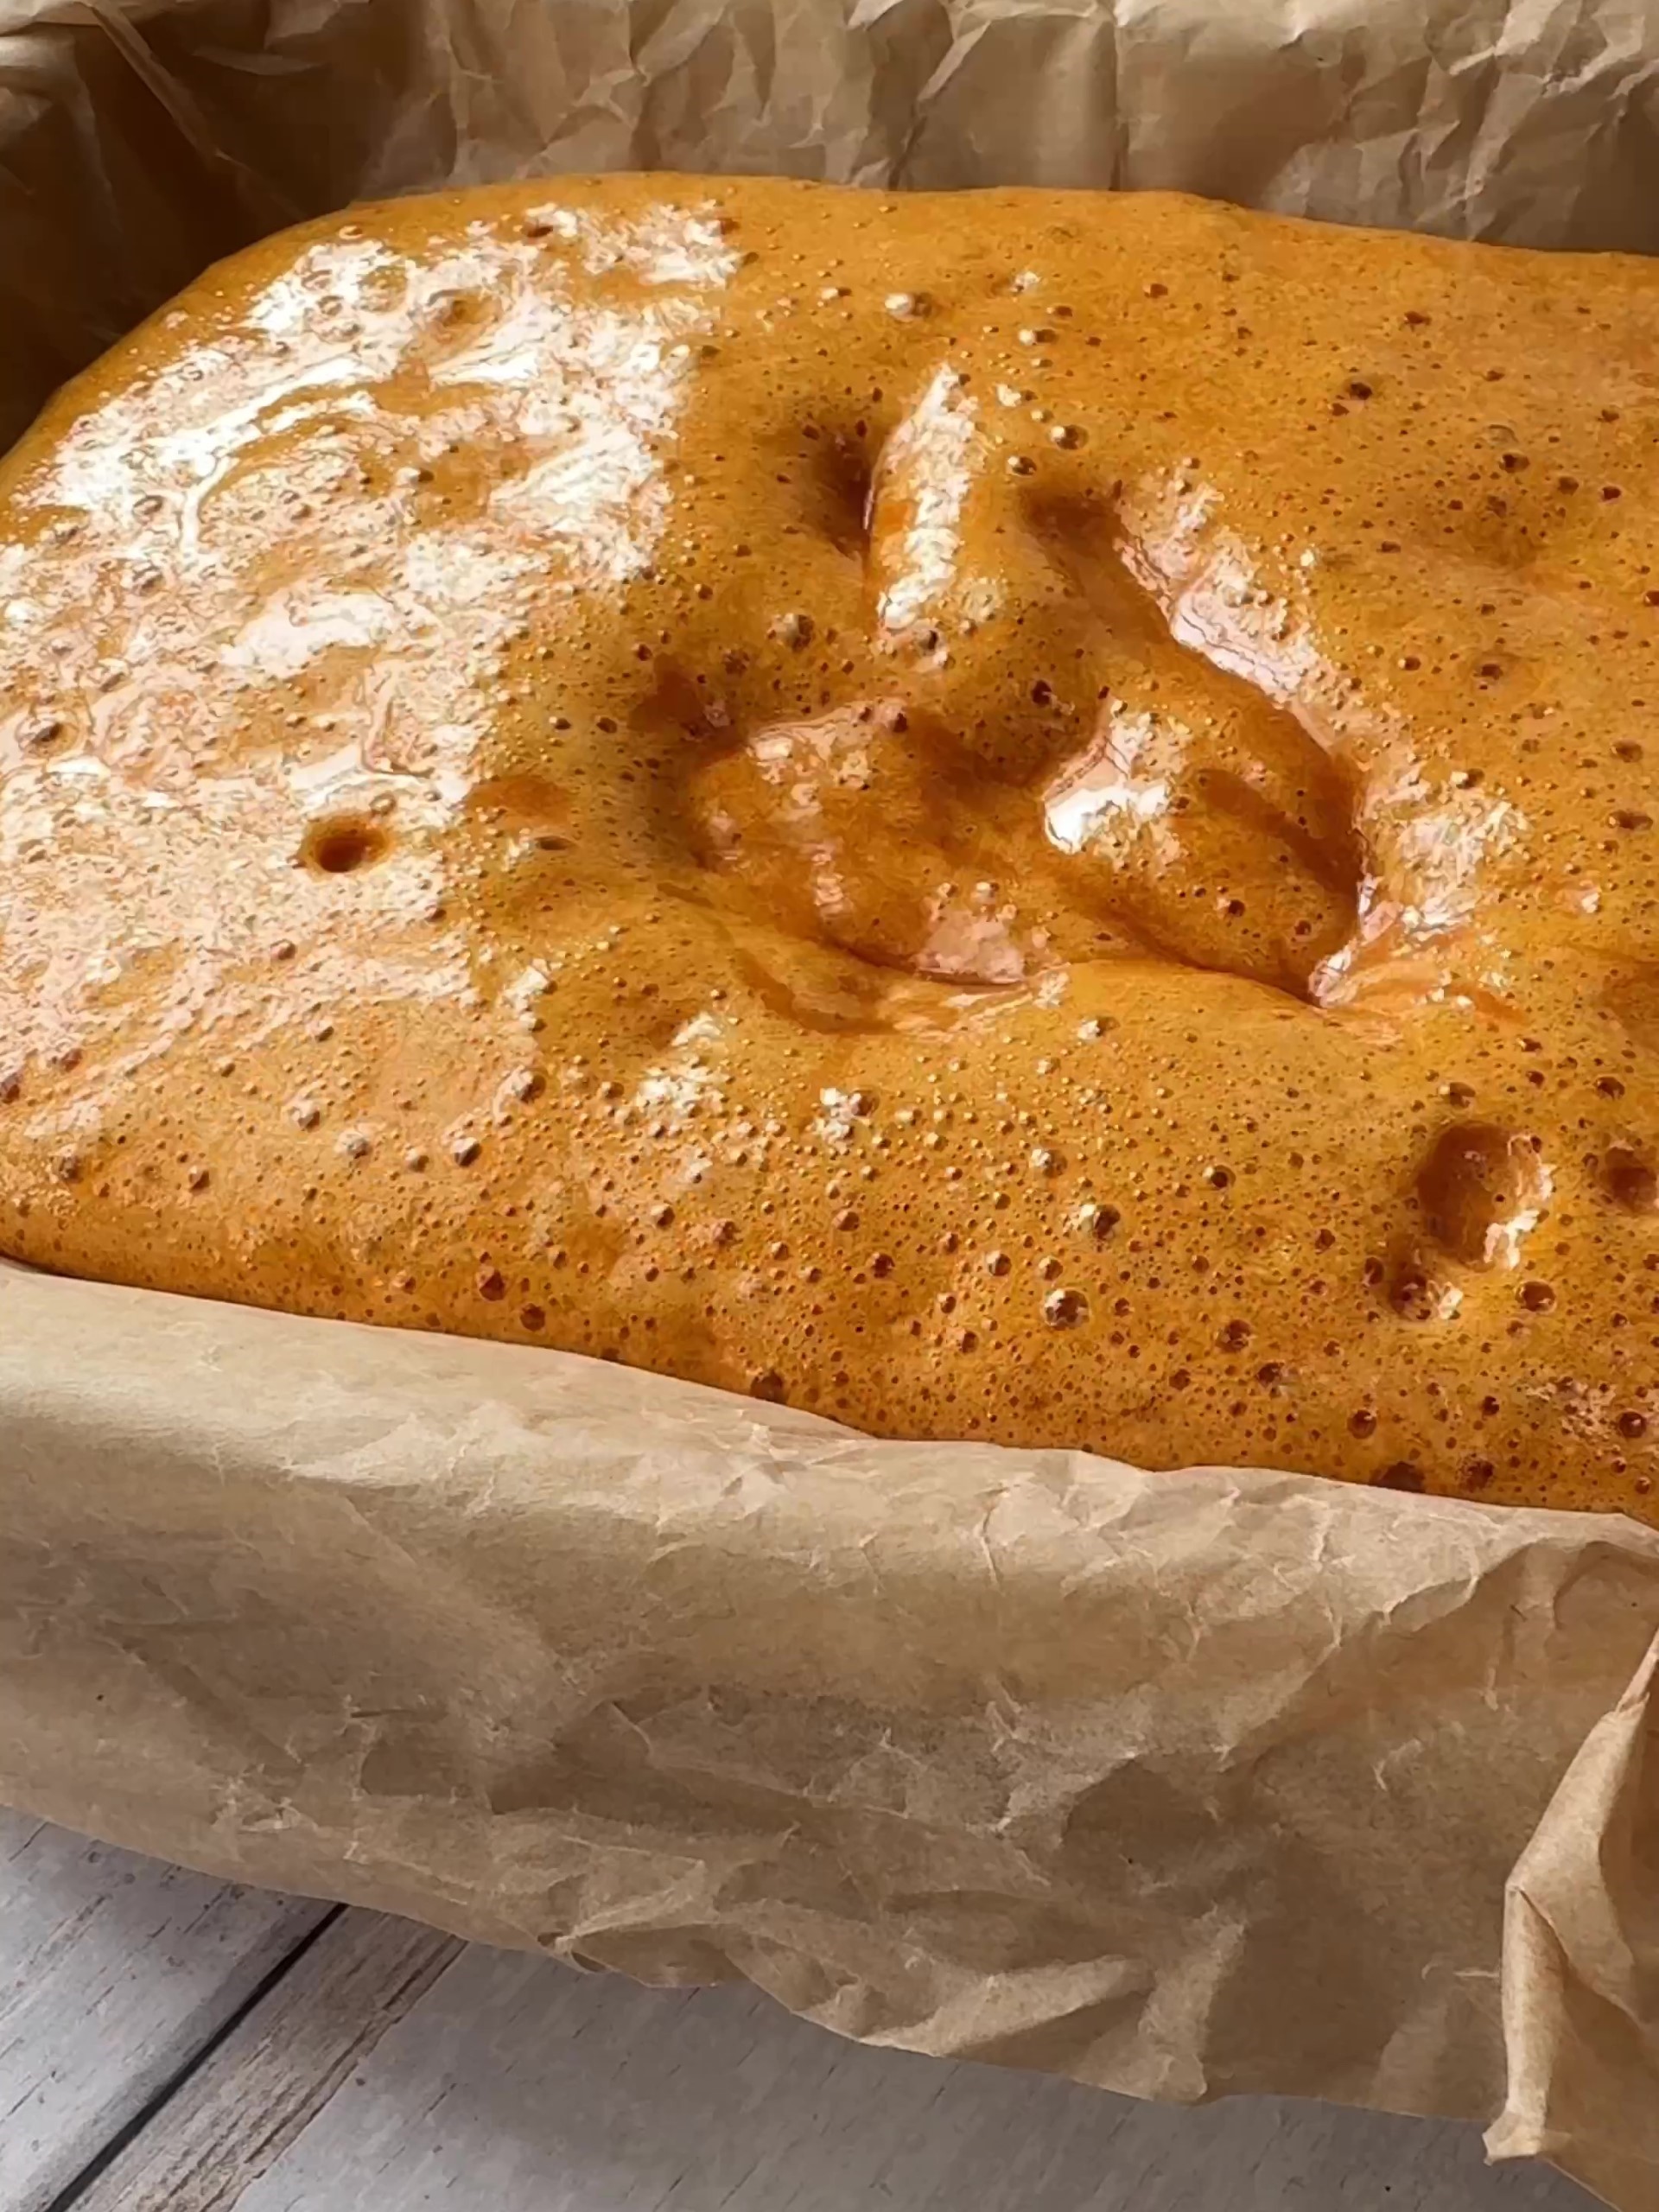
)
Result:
{"points": [[80, 2183], [114, 1972], [244, 2095]]}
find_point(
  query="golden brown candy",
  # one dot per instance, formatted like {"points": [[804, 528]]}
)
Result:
{"points": [[1015, 816]]}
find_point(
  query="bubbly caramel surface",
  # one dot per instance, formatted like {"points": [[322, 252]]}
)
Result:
{"points": [[1020, 814]]}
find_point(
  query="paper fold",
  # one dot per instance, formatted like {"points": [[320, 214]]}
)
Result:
{"points": [[1182, 1784]]}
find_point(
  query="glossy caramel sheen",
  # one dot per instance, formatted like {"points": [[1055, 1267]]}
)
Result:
{"points": [[1013, 816]]}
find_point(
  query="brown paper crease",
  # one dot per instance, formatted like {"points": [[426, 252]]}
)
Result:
{"points": [[1183, 1784], [1582, 1959]]}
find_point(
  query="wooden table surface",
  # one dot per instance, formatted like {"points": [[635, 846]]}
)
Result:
{"points": [[168, 2043]]}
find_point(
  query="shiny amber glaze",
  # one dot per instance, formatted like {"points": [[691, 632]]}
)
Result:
{"points": [[1018, 816]]}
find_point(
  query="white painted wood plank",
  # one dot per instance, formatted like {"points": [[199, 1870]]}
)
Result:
{"points": [[114, 1971], [487, 2083], [253, 2093]]}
